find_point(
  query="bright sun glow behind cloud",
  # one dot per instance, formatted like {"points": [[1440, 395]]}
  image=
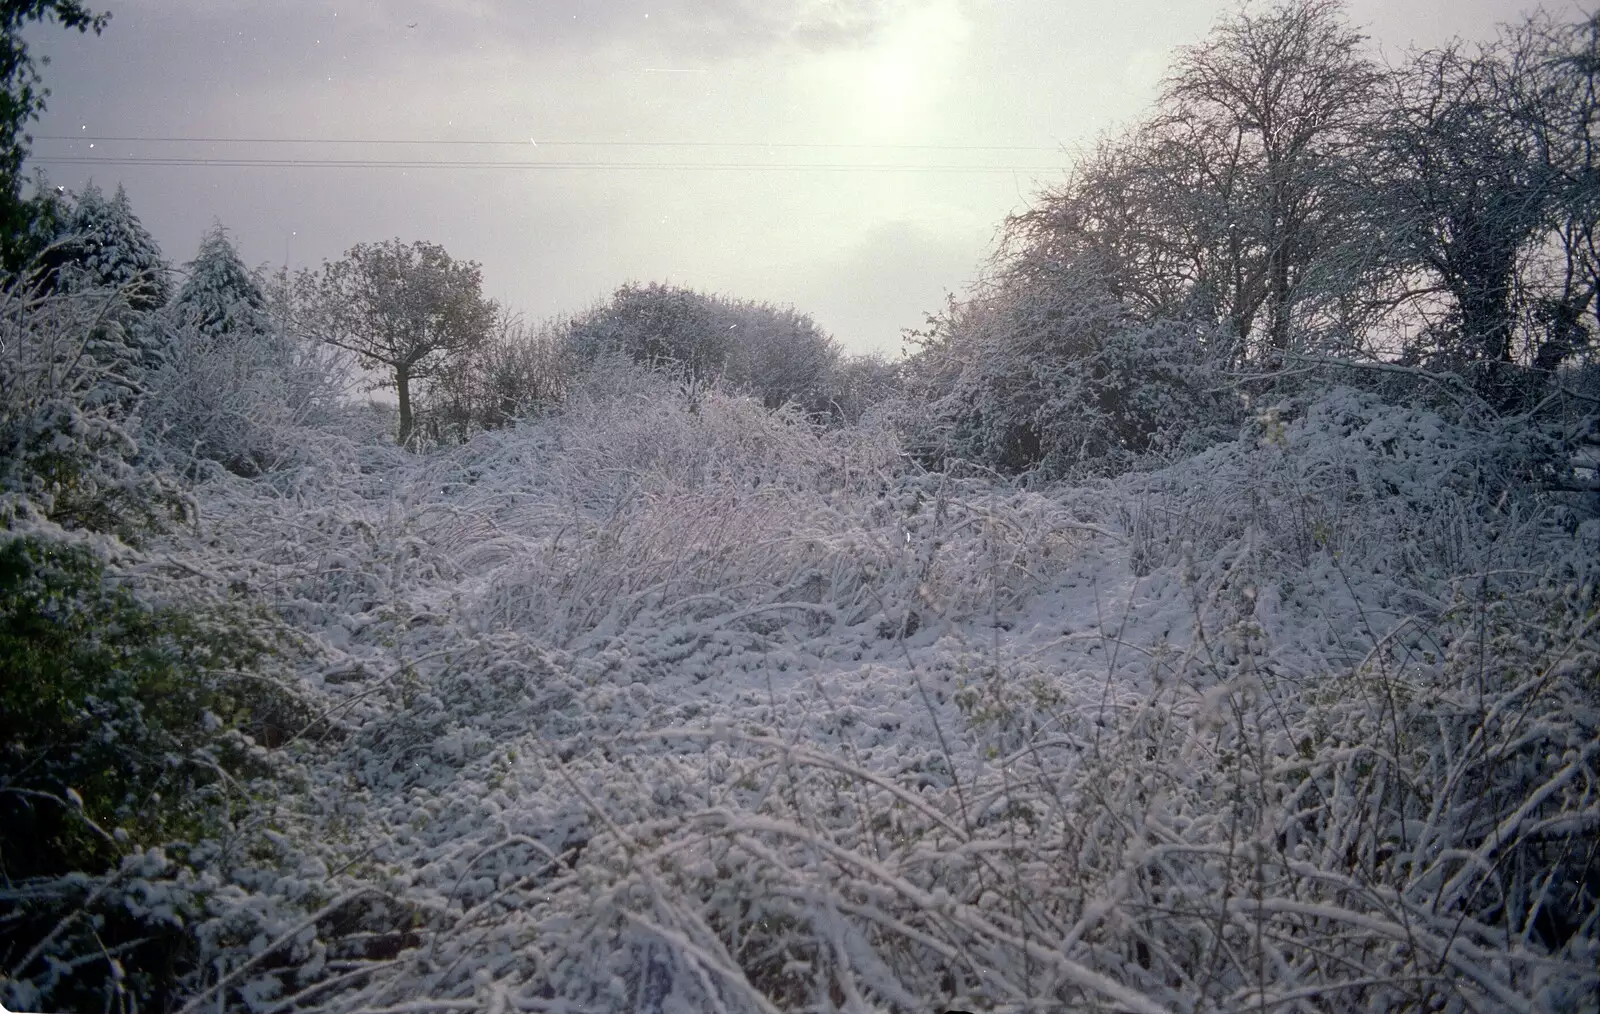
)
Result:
{"points": [[889, 89]]}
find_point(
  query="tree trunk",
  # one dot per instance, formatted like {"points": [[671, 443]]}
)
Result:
{"points": [[1486, 319], [402, 383]]}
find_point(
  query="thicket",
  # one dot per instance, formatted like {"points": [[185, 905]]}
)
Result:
{"points": [[1357, 772], [662, 691], [1289, 200], [775, 355]]}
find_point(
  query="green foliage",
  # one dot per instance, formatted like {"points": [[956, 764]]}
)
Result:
{"points": [[120, 722], [21, 101]]}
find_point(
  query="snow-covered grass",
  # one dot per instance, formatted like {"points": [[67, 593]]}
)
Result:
{"points": [[642, 709]]}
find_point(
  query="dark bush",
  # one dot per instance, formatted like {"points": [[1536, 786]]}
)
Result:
{"points": [[121, 723]]}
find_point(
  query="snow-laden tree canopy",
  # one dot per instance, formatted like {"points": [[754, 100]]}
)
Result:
{"points": [[220, 296], [107, 247], [775, 354]]}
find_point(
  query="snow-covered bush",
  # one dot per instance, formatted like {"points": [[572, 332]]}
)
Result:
{"points": [[115, 712], [1055, 375], [516, 372], [245, 402], [861, 385], [66, 417], [728, 508], [1345, 475], [774, 354], [233, 386], [1405, 834]]}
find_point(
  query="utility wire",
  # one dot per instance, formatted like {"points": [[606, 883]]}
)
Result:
{"points": [[552, 143], [328, 163]]}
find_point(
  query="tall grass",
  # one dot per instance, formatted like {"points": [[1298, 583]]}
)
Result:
{"points": [[649, 709]]}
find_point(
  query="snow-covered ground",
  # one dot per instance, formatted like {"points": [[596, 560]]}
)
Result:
{"points": [[643, 709]]}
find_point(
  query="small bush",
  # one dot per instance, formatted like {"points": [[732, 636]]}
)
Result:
{"points": [[66, 417], [120, 721]]}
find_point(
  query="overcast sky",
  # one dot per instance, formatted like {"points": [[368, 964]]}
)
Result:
{"points": [[647, 117]]}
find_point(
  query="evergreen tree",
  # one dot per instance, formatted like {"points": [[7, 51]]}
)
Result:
{"points": [[220, 297], [106, 246]]}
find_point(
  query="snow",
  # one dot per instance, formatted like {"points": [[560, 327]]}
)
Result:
{"points": [[641, 709], [107, 247]]}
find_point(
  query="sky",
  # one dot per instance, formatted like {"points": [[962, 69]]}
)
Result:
{"points": [[851, 158]]}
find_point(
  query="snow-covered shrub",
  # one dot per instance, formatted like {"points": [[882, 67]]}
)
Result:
{"points": [[127, 724], [222, 399], [861, 385], [233, 386], [731, 508], [66, 417], [120, 706], [1409, 831], [517, 371], [1058, 376], [1347, 475], [774, 354], [244, 401]]}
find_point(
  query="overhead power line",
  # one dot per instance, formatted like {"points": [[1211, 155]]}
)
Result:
{"points": [[550, 143], [372, 163]]}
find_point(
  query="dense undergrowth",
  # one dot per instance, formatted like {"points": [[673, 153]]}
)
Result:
{"points": [[1202, 618], [659, 707]]}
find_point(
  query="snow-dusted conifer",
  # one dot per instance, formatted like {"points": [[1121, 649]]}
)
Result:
{"points": [[106, 246], [220, 297]]}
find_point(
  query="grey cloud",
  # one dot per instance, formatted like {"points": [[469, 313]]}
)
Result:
{"points": [[308, 35], [699, 29], [253, 68]]}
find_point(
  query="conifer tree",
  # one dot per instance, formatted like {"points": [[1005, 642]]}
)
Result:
{"points": [[220, 297], [106, 246]]}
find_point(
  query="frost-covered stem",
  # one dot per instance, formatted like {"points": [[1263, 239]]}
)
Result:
{"points": [[1468, 961], [64, 922], [963, 915], [284, 938], [1508, 827]]}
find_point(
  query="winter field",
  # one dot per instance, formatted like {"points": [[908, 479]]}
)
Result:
{"points": [[639, 708], [1200, 616]]}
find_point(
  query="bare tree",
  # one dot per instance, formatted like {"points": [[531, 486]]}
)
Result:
{"points": [[1239, 202], [1281, 98], [1486, 167], [405, 309], [1553, 90]]}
